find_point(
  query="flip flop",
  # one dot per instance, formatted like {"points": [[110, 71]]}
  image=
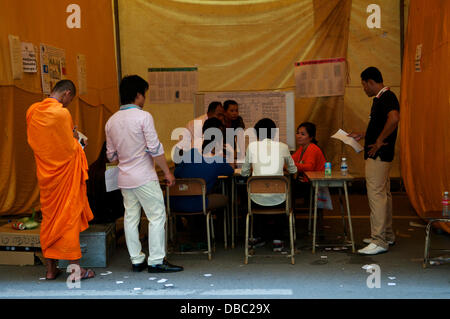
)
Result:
{"points": [[86, 274], [58, 272]]}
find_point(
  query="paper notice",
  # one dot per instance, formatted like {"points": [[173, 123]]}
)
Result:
{"points": [[81, 71], [15, 50], [29, 58], [111, 175], [342, 135]]}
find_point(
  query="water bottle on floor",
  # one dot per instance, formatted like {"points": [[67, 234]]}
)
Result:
{"points": [[445, 205]]}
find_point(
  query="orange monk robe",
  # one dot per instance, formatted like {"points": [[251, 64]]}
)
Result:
{"points": [[62, 171]]}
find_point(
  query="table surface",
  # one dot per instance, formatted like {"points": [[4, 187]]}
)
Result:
{"points": [[320, 176], [434, 214]]}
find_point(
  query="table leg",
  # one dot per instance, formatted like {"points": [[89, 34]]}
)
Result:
{"points": [[427, 245], [310, 208], [349, 217], [315, 217], [233, 199], [341, 204]]}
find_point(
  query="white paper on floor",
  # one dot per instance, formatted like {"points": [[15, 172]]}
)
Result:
{"points": [[207, 275], [168, 285], [119, 282], [152, 278], [42, 278], [391, 278], [414, 224], [391, 283], [125, 277], [162, 280], [137, 288], [323, 257], [106, 273], [366, 267]]}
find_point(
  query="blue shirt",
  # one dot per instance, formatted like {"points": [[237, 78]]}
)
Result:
{"points": [[209, 169]]}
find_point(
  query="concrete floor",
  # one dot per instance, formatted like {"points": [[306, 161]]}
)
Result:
{"points": [[327, 274]]}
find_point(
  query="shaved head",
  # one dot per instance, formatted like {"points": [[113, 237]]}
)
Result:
{"points": [[64, 85]]}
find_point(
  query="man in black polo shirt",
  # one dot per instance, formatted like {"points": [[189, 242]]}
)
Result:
{"points": [[379, 149]]}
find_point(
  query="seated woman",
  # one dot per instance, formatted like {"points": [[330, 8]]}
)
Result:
{"points": [[309, 157], [234, 121], [267, 157], [209, 167], [231, 115]]}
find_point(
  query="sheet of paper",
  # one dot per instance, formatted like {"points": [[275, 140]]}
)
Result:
{"points": [[342, 135], [172, 85], [15, 50], [111, 175], [325, 77], [81, 70], [53, 66], [29, 58], [253, 106]]}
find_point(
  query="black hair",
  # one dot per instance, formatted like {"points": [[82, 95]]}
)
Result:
{"points": [[212, 122], [227, 104], [65, 85], [372, 73], [129, 88], [269, 127], [310, 129], [213, 106]]}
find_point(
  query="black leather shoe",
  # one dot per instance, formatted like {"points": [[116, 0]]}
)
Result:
{"points": [[164, 267], [139, 267]]}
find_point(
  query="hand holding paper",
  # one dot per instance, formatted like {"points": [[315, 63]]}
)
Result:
{"points": [[343, 136]]}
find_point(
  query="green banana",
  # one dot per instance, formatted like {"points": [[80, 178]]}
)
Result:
{"points": [[29, 222]]}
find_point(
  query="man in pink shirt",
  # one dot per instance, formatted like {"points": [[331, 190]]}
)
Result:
{"points": [[131, 139]]}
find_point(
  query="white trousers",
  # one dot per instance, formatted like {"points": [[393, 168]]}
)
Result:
{"points": [[380, 201], [151, 199]]}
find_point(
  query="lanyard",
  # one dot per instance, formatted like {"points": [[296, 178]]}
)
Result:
{"points": [[129, 106], [303, 152], [382, 91]]}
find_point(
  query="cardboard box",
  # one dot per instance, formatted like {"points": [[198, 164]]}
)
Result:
{"points": [[98, 243], [20, 258], [19, 238]]}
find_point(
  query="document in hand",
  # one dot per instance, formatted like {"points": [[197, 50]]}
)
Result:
{"points": [[342, 135], [111, 175]]}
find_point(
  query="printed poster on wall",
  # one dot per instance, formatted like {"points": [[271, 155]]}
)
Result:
{"points": [[53, 66], [172, 85], [316, 78], [29, 58]]}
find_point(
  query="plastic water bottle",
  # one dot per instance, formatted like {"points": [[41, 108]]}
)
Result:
{"points": [[344, 167], [445, 205], [328, 169]]}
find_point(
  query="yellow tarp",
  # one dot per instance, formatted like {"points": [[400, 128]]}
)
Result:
{"points": [[425, 105], [45, 22], [253, 45]]}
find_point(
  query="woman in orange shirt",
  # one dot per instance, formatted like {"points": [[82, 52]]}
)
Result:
{"points": [[309, 157]]}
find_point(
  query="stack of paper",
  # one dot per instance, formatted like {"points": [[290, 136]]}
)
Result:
{"points": [[342, 135]]}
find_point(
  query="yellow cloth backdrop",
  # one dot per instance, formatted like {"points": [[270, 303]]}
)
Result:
{"points": [[425, 105], [253, 45], [45, 22]]}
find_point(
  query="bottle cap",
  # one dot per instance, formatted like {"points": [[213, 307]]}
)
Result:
{"points": [[344, 159]]}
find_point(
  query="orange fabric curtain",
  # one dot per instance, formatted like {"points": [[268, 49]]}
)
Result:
{"points": [[425, 106], [45, 22]]}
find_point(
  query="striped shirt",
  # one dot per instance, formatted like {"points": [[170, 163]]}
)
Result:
{"points": [[131, 138]]}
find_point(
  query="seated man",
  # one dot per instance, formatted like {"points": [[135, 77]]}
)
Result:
{"points": [[267, 157], [207, 166]]}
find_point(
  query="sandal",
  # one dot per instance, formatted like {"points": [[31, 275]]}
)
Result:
{"points": [[86, 274]]}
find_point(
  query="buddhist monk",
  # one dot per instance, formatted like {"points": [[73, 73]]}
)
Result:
{"points": [[62, 171]]}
